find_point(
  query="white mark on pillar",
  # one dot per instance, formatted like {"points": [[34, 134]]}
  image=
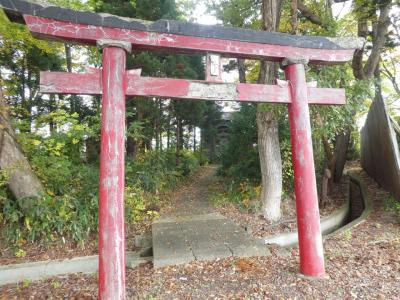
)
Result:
{"points": [[301, 157], [318, 242], [110, 181], [212, 91]]}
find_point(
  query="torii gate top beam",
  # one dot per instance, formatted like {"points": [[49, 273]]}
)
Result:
{"points": [[88, 27]]}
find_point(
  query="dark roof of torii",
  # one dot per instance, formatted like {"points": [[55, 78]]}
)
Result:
{"points": [[16, 8]]}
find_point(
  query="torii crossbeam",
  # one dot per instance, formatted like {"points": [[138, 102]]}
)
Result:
{"points": [[116, 36]]}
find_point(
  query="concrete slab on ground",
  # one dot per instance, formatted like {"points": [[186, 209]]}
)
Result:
{"points": [[193, 230], [201, 237]]}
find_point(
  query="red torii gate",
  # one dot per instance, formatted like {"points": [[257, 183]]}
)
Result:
{"points": [[116, 36]]}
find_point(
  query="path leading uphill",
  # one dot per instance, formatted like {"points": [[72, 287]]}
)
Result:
{"points": [[193, 230]]}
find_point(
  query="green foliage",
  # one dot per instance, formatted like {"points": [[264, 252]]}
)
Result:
{"points": [[156, 9], [240, 159], [149, 175], [155, 171], [392, 204], [50, 218], [242, 194], [237, 13], [201, 158], [136, 203], [69, 209]]}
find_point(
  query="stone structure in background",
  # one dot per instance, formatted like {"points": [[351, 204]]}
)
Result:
{"points": [[380, 156], [223, 131], [216, 136]]}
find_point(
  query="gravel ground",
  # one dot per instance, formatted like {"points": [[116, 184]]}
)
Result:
{"points": [[361, 263]]}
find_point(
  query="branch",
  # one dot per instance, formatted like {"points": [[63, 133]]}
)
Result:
{"points": [[357, 63], [379, 41], [293, 16], [366, 71], [308, 14], [391, 77]]}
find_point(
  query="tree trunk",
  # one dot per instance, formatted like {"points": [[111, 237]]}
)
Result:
{"points": [[325, 187], [130, 147], [365, 71], [68, 60], [160, 123], [130, 141], [267, 124], [194, 138], [168, 126], [52, 108], [92, 150], [242, 70], [178, 139], [271, 164], [140, 144], [293, 18], [341, 146], [23, 182], [179, 134]]}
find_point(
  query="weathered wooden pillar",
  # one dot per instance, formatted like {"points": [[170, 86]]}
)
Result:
{"points": [[112, 171], [308, 220]]}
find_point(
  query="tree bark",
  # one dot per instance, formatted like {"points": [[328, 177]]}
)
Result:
{"points": [[130, 141], [68, 60], [23, 182], [92, 150], [271, 164], [168, 131], [380, 29], [267, 124], [194, 138], [242, 70], [341, 146], [179, 139], [52, 108], [160, 129], [325, 187], [293, 17], [308, 14]]}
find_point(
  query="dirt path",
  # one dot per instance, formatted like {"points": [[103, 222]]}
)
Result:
{"points": [[193, 230], [192, 198]]}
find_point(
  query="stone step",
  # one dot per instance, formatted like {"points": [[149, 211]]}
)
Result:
{"points": [[180, 240]]}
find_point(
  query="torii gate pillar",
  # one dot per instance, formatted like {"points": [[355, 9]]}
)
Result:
{"points": [[309, 230], [112, 171]]}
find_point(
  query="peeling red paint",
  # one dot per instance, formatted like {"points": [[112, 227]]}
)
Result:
{"points": [[90, 84], [308, 220], [144, 40], [112, 174]]}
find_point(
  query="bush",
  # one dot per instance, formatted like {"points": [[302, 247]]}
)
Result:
{"points": [[242, 194], [188, 163], [49, 219], [69, 209], [201, 157]]}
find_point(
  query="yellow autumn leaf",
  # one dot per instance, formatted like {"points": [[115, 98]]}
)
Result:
{"points": [[36, 142]]}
